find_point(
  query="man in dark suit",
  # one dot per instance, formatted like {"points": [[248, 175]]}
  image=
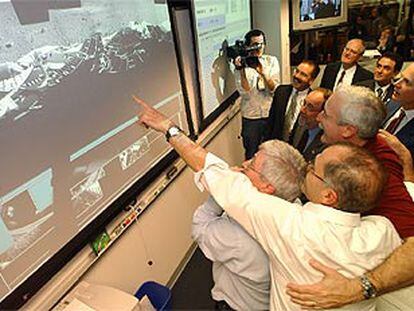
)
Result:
{"points": [[387, 68], [347, 71], [287, 101], [401, 124], [307, 133]]}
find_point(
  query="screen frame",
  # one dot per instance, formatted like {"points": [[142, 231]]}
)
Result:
{"points": [[317, 24], [204, 120], [21, 294]]}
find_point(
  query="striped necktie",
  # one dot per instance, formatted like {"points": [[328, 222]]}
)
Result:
{"points": [[290, 116], [394, 123]]}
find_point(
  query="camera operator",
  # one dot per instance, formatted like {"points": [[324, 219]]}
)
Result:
{"points": [[256, 79]]}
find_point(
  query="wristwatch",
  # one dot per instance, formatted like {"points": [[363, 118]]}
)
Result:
{"points": [[172, 131], [369, 290]]}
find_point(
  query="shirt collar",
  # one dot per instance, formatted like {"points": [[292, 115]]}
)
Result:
{"points": [[333, 215], [384, 88], [349, 70], [409, 113]]}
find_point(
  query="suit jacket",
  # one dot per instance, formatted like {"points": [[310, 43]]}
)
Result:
{"points": [[331, 71], [314, 148], [277, 111], [371, 85], [406, 136], [392, 106]]}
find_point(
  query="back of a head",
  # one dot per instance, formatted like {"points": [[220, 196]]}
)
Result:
{"points": [[284, 168], [357, 177], [361, 108]]}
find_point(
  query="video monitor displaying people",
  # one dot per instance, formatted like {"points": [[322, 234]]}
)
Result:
{"points": [[317, 9]]}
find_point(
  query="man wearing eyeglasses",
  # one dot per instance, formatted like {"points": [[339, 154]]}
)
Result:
{"points": [[307, 133], [344, 181], [240, 266], [354, 114], [256, 86], [288, 100], [347, 71]]}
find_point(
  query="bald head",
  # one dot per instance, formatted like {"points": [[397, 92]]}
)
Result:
{"points": [[355, 175], [352, 52], [404, 88]]}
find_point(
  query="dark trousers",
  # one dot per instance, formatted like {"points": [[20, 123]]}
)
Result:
{"points": [[253, 133], [222, 305]]}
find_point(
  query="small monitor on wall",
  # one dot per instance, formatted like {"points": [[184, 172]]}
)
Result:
{"points": [[315, 14]]}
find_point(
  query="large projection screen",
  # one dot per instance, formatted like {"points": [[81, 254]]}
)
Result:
{"points": [[70, 145], [217, 23]]}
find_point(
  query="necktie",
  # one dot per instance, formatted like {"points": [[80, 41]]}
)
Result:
{"points": [[300, 138], [394, 123], [290, 116], [380, 92], [341, 79]]}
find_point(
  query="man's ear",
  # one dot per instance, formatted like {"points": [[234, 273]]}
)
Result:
{"points": [[329, 197], [267, 188], [349, 131]]}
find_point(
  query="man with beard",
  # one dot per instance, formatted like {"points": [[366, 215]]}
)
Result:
{"points": [[288, 99]]}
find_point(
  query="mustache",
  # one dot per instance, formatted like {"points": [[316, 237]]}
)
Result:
{"points": [[296, 80]]}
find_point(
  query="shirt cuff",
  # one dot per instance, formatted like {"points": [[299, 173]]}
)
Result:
{"points": [[211, 161]]}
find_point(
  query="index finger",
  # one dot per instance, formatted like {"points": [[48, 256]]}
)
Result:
{"points": [[140, 102]]}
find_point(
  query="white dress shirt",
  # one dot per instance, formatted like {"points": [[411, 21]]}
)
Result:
{"points": [[291, 235], [349, 76], [255, 104], [240, 266], [383, 88]]}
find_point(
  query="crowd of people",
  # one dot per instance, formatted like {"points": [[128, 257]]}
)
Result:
{"points": [[379, 30], [320, 214]]}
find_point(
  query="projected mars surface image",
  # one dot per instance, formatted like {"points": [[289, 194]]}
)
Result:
{"points": [[69, 140]]}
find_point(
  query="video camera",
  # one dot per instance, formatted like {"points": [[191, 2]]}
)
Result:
{"points": [[241, 49]]}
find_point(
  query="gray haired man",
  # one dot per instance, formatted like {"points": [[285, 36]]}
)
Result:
{"points": [[240, 265], [354, 114], [328, 228]]}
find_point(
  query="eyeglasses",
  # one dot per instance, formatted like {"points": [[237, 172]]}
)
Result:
{"points": [[354, 52], [308, 106], [311, 169]]}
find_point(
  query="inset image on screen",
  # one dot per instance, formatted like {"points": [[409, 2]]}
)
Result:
{"points": [[312, 14]]}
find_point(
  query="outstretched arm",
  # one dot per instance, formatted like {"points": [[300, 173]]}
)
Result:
{"points": [[194, 155], [334, 290]]}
